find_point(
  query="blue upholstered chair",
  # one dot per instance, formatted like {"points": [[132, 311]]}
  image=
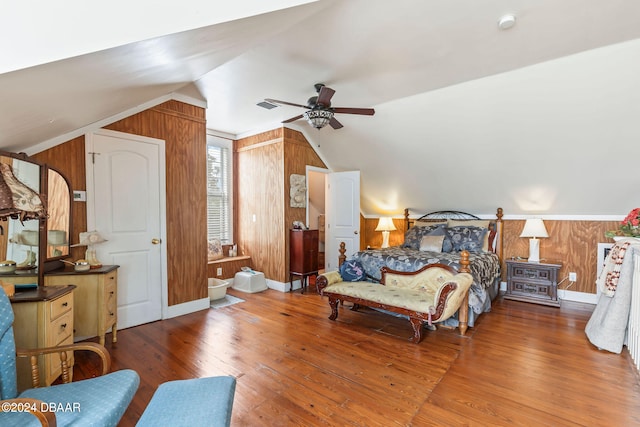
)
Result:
{"points": [[99, 401]]}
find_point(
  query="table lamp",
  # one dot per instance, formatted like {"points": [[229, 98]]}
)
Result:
{"points": [[385, 224], [534, 228], [89, 239]]}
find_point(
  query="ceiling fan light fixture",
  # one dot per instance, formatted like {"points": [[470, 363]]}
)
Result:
{"points": [[318, 118]]}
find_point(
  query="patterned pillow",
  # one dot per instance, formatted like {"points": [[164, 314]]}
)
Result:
{"points": [[414, 235], [466, 238], [215, 250], [482, 223], [352, 271]]}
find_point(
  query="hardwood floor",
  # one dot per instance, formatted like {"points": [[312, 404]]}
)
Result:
{"points": [[522, 364]]}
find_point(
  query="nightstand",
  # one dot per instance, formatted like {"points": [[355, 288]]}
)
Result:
{"points": [[535, 282]]}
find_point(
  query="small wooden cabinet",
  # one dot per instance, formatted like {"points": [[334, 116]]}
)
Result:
{"points": [[535, 282], [303, 255], [43, 318], [95, 298]]}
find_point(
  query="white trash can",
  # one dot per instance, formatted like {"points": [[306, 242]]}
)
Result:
{"points": [[249, 281]]}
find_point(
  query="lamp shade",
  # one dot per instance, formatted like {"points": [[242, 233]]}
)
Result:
{"points": [[89, 238], [318, 118], [385, 224], [534, 228]]}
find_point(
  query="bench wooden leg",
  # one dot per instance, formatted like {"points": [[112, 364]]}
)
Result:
{"points": [[416, 324], [333, 302]]}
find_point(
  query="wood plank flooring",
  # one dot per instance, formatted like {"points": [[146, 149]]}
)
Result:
{"points": [[522, 364]]}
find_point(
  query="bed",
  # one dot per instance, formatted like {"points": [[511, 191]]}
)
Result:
{"points": [[438, 237]]}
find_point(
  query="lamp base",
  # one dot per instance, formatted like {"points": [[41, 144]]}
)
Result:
{"points": [[534, 250], [385, 239], [91, 257]]}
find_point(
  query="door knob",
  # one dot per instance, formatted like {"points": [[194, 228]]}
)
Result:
{"points": [[156, 241], [355, 232]]}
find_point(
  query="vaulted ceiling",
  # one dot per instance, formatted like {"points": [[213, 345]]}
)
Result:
{"points": [[539, 118]]}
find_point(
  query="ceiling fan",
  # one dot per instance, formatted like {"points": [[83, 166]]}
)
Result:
{"points": [[320, 112]]}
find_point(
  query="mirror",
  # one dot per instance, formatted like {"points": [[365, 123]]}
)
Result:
{"points": [[58, 222], [19, 240]]}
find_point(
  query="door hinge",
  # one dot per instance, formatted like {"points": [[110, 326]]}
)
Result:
{"points": [[93, 157]]}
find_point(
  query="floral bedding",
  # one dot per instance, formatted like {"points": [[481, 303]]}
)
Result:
{"points": [[485, 267]]}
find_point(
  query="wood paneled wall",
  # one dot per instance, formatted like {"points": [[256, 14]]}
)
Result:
{"points": [[263, 165], [259, 187], [574, 243], [297, 155], [183, 128]]}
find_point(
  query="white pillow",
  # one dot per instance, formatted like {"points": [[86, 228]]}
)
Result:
{"points": [[431, 243]]}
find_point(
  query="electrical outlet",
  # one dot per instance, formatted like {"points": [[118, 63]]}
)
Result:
{"points": [[573, 277], [219, 271]]}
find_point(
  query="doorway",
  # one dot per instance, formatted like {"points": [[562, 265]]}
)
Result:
{"points": [[316, 178], [125, 203]]}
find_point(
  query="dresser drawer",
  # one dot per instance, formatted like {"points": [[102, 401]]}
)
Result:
{"points": [[111, 304], [61, 329], [530, 289], [534, 273], [61, 306]]}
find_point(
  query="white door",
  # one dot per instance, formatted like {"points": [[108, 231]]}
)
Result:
{"points": [[125, 203], [342, 215]]}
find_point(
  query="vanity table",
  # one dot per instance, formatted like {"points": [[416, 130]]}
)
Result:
{"points": [[43, 318], [95, 299], [35, 208]]}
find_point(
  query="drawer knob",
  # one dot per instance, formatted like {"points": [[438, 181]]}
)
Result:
{"points": [[63, 326], [111, 314], [64, 304]]}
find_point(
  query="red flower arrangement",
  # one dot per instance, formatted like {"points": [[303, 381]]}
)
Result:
{"points": [[630, 225]]}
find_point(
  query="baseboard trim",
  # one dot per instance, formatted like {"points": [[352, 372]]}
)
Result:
{"points": [[283, 287], [186, 308], [563, 294]]}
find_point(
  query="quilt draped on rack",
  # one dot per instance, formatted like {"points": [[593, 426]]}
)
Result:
{"points": [[607, 327]]}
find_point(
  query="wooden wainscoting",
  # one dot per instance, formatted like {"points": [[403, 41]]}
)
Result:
{"points": [[229, 265], [575, 243]]}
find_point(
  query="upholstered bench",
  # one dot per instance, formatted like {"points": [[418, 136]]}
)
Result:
{"points": [[431, 294], [193, 402]]}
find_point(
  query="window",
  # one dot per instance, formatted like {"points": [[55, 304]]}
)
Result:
{"points": [[219, 203]]}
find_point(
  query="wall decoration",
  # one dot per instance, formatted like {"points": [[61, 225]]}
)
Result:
{"points": [[298, 191]]}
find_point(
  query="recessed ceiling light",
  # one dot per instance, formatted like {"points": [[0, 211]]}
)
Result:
{"points": [[506, 22]]}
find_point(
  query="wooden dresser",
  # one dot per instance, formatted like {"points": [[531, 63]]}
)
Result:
{"points": [[95, 298], [43, 318], [303, 255], [535, 282]]}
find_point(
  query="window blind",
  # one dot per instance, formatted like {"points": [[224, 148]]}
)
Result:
{"points": [[218, 193]]}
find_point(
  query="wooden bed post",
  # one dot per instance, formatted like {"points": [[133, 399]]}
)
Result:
{"points": [[342, 257], [463, 314], [499, 229], [406, 219]]}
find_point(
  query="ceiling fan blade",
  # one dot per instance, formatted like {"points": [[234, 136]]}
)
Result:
{"points": [[292, 119], [362, 111], [324, 97], [275, 101], [334, 123]]}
